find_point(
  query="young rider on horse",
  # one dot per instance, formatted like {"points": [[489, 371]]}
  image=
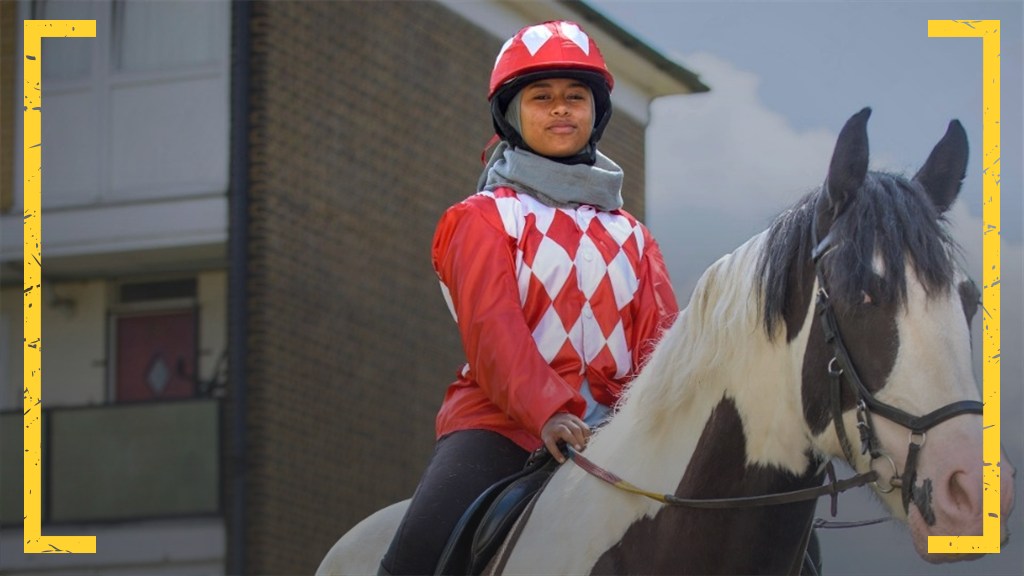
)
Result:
{"points": [[559, 294]]}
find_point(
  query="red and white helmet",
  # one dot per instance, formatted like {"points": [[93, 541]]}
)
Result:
{"points": [[549, 50], [557, 45]]}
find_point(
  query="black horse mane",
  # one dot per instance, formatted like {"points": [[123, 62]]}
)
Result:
{"points": [[889, 215]]}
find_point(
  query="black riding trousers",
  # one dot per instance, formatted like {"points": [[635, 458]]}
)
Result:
{"points": [[464, 464]]}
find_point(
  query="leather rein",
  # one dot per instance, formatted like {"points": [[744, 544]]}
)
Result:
{"points": [[840, 369], [832, 489]]}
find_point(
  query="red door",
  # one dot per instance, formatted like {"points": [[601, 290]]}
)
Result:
{"points": [[154, 353]]}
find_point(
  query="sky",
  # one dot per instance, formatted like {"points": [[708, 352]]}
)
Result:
{"points": [[784, 78]]}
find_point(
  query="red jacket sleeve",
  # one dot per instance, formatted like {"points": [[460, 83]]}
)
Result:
{"points": [[475, 261], [656, 306]]}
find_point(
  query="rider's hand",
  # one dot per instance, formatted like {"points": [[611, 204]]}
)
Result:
{"points": [[566, 427]]}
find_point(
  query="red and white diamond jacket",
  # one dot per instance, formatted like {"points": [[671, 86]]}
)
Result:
{"points": [[545, 298]]}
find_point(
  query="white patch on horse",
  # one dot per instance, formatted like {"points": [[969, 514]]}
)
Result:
{"points": [[935, 352]]}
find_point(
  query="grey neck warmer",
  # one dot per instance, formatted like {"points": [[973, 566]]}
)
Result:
{"points": [[554, 184]]}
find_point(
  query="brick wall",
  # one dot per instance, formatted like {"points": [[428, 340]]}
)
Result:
{"points": [[367, 121]]}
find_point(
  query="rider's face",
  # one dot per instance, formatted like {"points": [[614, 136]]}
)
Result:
{"points": [[557, 116]]}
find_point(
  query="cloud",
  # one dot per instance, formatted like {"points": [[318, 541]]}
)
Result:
{"points": [[722, 166], [728, 142]]}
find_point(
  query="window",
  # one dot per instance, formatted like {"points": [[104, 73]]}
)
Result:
{"points": [[145, 36], [164, 35], [65, 58], [141, 111]]}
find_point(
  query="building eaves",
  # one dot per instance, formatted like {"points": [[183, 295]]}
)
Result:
{"points": [[595, 20]]}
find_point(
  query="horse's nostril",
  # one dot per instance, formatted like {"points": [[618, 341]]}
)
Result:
{"points": [[958, 494]]}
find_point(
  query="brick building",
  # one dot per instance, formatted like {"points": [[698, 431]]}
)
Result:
{"points": [[320, 346]]}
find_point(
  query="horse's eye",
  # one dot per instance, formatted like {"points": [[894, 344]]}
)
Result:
{"points": [[970, 298]]}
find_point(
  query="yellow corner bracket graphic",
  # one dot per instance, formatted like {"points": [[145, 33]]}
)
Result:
{"points": [[988, 31], [35, 31]]}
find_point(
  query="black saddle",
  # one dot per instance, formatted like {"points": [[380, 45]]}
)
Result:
{"points": [[484, 526]]}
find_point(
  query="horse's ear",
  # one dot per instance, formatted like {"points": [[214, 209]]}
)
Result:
{"points": [[945, 168], [849, 160]]}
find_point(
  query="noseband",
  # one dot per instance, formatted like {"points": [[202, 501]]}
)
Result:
{"points": [[841, 369]]}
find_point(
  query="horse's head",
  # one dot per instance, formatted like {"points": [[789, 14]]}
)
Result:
{"points": [[872, 284]]}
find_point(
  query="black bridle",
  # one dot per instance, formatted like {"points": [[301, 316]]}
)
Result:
{"points": [[841, 369]]}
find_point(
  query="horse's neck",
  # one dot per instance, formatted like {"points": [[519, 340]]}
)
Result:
{"points": [[715, 352]]}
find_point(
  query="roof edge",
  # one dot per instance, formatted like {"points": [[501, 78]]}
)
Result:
{"points": [[595, 18]]}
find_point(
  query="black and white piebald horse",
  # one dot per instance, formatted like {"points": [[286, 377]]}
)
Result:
{"points": [[838, 333]]}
